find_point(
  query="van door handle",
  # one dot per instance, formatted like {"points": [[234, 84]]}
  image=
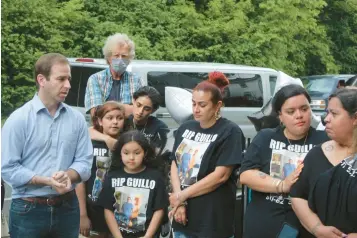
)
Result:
{"points": [[163, 115]]}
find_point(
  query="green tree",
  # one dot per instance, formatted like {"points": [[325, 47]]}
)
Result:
{"points": [[285, 35], [299, 37], [27, 33], [339, 17], [32, 29]]}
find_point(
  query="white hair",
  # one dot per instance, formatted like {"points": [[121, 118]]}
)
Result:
{"points": [[118, 39]]}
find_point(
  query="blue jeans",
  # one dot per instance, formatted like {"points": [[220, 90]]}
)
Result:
{"points": [[180, 234], [33, 220]]}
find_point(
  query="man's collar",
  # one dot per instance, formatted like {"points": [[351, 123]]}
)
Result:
{"points": [[38, 104]]}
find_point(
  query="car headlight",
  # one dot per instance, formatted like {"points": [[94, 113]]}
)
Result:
{"points": [[318, 105]]}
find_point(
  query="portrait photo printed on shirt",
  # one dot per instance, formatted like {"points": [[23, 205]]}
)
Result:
{"points": [[189, 155], [284, 160], [103, 162], [131, 202]]}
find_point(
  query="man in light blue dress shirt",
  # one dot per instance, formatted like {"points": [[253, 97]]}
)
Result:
{"points": [[45, 151]]}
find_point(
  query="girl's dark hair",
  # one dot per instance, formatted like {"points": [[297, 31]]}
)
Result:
{"points": [[101, 110], [215, 84], [149, 160], [287, 92], [151, 93], [348, 99]]}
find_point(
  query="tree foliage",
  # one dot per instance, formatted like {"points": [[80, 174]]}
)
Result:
{"points": [[340, 19], [299, 37]]}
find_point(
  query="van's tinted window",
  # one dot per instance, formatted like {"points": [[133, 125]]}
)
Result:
{"points": [[272, 82], [72, 97], [245, 90], [85, 74]]}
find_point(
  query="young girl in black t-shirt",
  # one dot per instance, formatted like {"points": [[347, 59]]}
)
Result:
{"points": [[133, 194], [109, 120]]}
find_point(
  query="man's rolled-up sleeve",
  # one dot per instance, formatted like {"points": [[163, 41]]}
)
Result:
{"points": [[13, 138], [83, 159]]}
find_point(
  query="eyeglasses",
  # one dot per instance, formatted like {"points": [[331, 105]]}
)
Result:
{"points": [[119, 56]]}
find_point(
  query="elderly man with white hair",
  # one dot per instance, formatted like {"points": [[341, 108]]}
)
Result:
{"points": [[114, 83]]}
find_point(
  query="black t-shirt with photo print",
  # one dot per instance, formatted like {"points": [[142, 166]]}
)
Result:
{"points": [[334, 196], [197, 153], [154, 130], [272, 153], [133, 198], [100, 167]]}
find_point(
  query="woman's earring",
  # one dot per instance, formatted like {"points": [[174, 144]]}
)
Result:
{"points": [[217, 115]]}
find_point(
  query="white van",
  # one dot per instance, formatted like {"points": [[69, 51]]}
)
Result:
{"points": [[250, 89]]}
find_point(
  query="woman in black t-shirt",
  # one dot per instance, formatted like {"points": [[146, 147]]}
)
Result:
{"points": [[325, 196], [273, 163], [109, 120], [206, 150]]}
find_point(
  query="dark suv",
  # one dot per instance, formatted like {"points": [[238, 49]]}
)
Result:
{"points": [[320, 87]]}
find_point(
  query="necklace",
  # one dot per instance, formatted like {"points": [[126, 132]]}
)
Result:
{"points": [[303, 144], [142, 130]]}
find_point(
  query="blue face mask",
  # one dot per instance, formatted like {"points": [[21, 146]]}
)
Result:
{"points": [[120, 65]]}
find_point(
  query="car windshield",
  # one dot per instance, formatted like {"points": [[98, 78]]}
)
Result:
{"points": [[322, 85]]}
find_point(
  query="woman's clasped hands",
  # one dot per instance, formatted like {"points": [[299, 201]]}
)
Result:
{"points": [[178, 207]]}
